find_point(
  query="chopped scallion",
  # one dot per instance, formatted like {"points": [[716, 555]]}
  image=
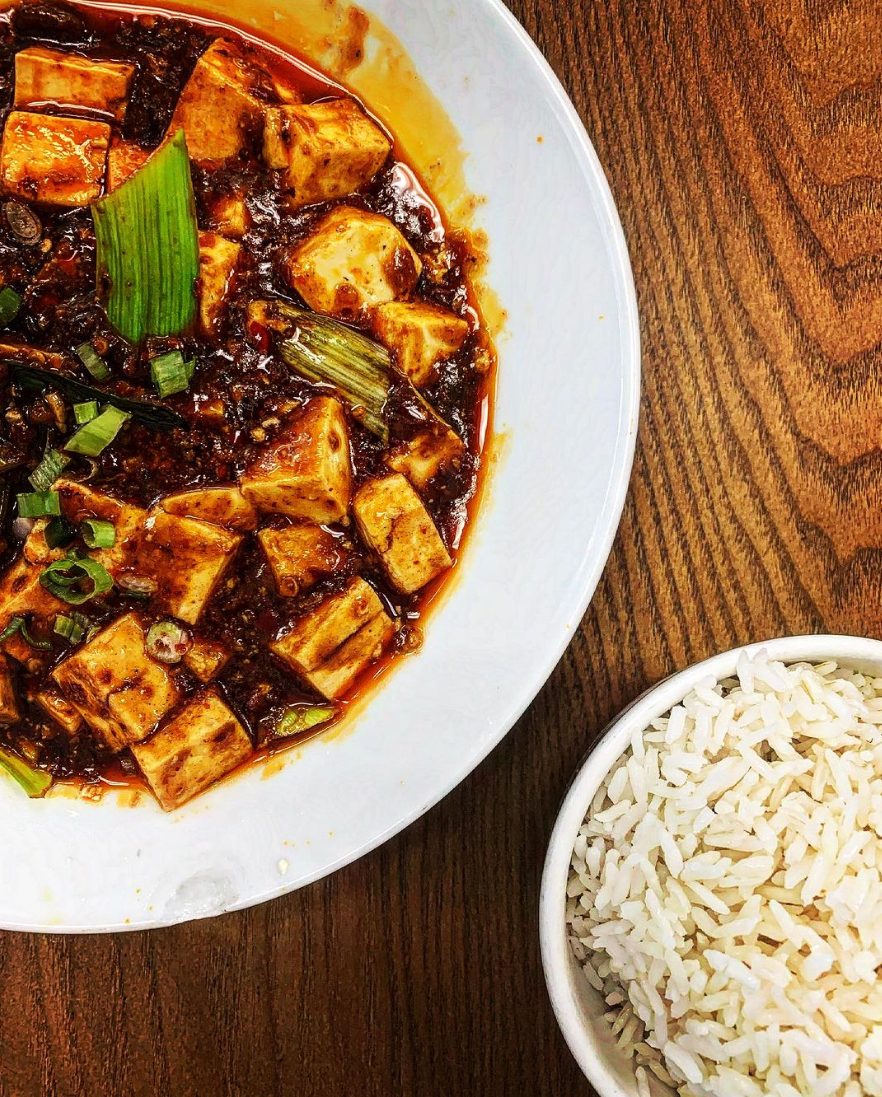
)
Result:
{"points": [[39, 504], [68, 628], [98, 534], [85, 412], [147, 242], [12, 628], [95, 436], [302, 718], [10, 303], [76, 580], [59, 533], [168, 642], [48, 470], [35, 782], [170, 373], [93, 362], [20, 625]]}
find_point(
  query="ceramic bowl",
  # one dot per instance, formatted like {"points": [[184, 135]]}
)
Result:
{"points": [[579, 1008], [566, 418]]}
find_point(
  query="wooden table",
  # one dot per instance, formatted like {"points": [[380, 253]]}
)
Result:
{"points": [[743, 146]]}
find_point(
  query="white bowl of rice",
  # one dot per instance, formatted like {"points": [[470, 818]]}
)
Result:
{"points": [[711, 910]]}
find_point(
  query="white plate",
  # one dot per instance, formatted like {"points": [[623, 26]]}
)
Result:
{"points": [[568, 402]]}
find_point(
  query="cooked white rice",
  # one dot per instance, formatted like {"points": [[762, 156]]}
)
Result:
{"points": [[725, 892]]}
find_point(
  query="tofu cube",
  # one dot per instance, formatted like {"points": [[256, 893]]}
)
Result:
{"points": [[353, 260], [331, 646], [420, 336], [79, 501], [9, 710], [221, 506], [60, 710], [67, 80], [205, 660], [200, 745], [187, 559], [23, 595], [59, 161], [218, 258], [124, 158], [306, 473], [425, 455], [325, 150], [229, 215], [217, 109], [300, 556], [120, 692], [394, 523]]}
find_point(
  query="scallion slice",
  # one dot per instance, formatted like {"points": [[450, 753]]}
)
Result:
{"points": [[170, 373], [168, 642], [59, 533], [148, 247], [93, 361], [10, 303], [35, 782], [98, 534], [85, 412], [12, 628], [301, 718], [95, 436], [69, 628], [39, 504], [76, 580], [20, 625], [48, 470]]}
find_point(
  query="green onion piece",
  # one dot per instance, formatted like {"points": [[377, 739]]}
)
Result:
{"points": [[168, 642], [10, 303], [98, 534], [151, 415], [93, 361], [68, 628], [39, 504], [300, 719], [76, 580], [35, 782], [325, 350], [94, 437], [59, 533], [85, 412], [48, 470], [148, 247], [20, 624], [170, 373]]}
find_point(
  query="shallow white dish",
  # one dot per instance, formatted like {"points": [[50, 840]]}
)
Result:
{"points": [[568, 402], [579, 1008]]}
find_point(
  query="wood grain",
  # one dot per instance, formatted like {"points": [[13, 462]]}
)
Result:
{"points": [[743, 144]]}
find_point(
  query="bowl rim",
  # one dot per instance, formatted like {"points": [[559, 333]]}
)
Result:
{"points": [[560, 969]]}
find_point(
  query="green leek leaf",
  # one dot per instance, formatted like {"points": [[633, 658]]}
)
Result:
{"points": [[35, 782]]}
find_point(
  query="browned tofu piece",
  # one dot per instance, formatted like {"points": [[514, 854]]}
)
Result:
{"points": [[9, 711], [187, 559], [205, 660], [120, 692], [23, 595], [79, 501], [218, 258], [217, 109], [224, 505], [332, 645], [306, 473], [394, 523], [324, 150], [420, 336], [60, 710], [46, 77], [124, 158], [426, 454], [201, 744], [229, 215], [353, 260], [59, 161], [300, 555]]}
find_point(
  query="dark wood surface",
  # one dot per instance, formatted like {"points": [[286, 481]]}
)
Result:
{"points": [[742, 142]]}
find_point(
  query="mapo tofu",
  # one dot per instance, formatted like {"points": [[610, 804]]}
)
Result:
{"points": [[246, 386]]}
